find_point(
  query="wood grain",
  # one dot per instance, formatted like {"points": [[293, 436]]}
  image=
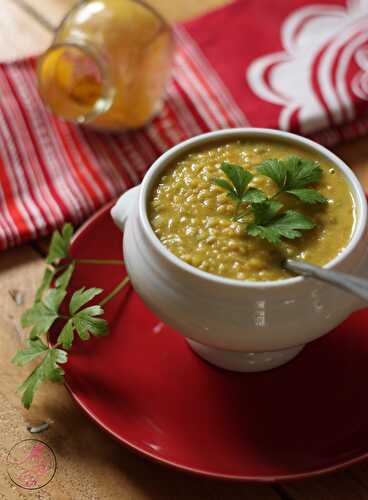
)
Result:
{"points": [[20, 34], [49, 12], [90, 464], [340, 486]]}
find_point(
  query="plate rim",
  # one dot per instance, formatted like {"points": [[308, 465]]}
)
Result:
{"points": [[197, 471]]}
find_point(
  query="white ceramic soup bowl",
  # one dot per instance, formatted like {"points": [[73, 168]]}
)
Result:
{"points": [[237, 325]]}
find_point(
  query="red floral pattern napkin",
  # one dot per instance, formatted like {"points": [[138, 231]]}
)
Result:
{"points": [[292, 64]]}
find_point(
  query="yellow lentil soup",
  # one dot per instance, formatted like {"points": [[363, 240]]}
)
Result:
{"points": [[193, 217]]}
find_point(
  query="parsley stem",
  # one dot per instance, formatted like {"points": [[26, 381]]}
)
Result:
{"points": [[276, 194], [100, 261], [115, 291], [58, 267]]}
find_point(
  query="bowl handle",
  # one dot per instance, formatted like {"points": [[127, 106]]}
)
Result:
{"points": [[122, 208]]}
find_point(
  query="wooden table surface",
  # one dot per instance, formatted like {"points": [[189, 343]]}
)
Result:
{"points": [[91, 465]]}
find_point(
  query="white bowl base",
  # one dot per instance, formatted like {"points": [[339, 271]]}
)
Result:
{"points": [[244, 361]]}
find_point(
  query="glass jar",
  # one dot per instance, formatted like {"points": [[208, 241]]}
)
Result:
{"points": [[109, 64]]}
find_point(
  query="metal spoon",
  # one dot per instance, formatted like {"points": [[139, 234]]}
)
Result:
{"points": [[352, 284]]}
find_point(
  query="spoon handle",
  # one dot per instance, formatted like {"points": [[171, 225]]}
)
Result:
{"points": [[352, 284]]}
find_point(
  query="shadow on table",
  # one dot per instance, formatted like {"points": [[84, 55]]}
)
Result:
{"points": [[17, 258]]}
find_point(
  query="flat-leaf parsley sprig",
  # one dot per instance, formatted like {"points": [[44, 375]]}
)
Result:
{"points": [[76, 315], [263, 215], [293, 175], [237, 189]]}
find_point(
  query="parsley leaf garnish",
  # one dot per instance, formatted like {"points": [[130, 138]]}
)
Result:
{"points": [[59, 247], [265, 212], [81, 297], [47, 369], [239, 180], [47, 278], [86, 323], [276, 170], [264, 216], [83, 321], [63, 279], [34, 349], [301, 173], [46, 309], [308, 195], [287, 225], [40, 318], [239, 177], [254, 195], [292, 175]]}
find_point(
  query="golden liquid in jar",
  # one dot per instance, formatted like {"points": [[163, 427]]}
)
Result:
{"points": [[109, 65]]}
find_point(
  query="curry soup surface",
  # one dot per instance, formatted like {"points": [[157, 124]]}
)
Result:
{"points": [[193, 217]]}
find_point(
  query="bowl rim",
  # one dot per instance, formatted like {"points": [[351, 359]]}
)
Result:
{"points": [[249, 132]]}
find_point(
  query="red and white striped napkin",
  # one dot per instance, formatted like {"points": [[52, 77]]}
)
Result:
{"points": [[291, 64]]}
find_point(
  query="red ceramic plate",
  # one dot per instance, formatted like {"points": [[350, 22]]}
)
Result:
{"points": [[146, 388]]}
